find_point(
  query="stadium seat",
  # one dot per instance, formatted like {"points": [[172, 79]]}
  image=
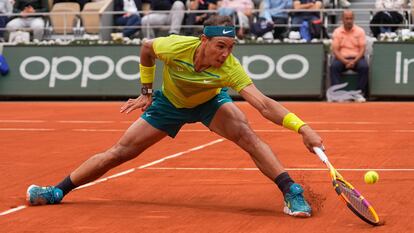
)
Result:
{"points": [[94, 19], [64, 17]]}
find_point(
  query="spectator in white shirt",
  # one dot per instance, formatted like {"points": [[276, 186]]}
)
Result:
{"points": [[130, 18]]}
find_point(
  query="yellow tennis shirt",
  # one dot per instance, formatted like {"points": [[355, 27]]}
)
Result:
{"points": [[186, 88]]}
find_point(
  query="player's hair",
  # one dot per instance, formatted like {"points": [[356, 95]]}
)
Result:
{"points": [[219, 20]]}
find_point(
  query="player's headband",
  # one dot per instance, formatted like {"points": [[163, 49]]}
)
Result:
{"points": [[212, 31]]}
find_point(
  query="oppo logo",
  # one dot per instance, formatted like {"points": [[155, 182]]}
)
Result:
{"points": [[82, 68], [277, 67]]}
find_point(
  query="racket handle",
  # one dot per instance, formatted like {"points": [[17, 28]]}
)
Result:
{"points": [[321, 154]]}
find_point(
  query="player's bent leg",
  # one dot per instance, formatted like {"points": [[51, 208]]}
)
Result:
{"points": [[139, 136], [232, 124]]}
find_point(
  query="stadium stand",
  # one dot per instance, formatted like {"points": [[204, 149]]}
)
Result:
{"points": [[67, 21], [96, 20], [64, 17]]}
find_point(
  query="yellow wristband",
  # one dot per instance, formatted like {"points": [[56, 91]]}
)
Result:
{"points": [[147, 73], [292, 122]]}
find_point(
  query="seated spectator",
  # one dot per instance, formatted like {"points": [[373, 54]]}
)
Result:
{"points": [[174, 17], [273, 13], [299, 17], [25, 20], [6, 8], [130, 18], [243, 9], [81, 2], [198, 18], [389, 14], [348, 47]]}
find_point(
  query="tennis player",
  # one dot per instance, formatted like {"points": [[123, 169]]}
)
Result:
{"points": [[197, 72]]}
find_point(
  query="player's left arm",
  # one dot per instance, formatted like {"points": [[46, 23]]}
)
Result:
{"points": [[147, 71], [278, 114]]}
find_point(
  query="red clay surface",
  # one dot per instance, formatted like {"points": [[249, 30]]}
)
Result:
{"points": [[211, 189]]}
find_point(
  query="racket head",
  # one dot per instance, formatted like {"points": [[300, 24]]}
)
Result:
{"points": [[353, 198]]}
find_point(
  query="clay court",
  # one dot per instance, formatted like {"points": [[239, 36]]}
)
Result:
{"points": [[200, 182]]}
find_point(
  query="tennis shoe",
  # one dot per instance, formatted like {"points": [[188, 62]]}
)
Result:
{"points": [[295, 203], [37, 195]]}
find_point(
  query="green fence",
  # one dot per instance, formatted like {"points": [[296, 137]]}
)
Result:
{"points": [[55, 71], [279, 70], [392, 70]]}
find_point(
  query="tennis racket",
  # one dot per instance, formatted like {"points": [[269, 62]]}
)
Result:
{"points": [[352, 197]]}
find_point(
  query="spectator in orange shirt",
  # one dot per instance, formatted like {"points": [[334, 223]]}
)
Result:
{"points": [[348, 47]]}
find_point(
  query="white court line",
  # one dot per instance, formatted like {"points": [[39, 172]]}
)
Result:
{"points": [[128, 171], [25, 129], [270, 130], [206, 130], [98, 130], [15, 209], [289, 169], [22, 121], [87, 122], [353, 122], [104, 122]]}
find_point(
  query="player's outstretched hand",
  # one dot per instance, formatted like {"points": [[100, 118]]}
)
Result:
{"points": [[310, 138], [143, 102]]}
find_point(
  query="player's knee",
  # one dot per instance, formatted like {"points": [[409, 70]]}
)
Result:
{"points": [[118, 155], [246, 137]]}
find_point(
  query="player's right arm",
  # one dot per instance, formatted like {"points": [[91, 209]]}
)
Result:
{"points": [[147, 70], [277, 113]]}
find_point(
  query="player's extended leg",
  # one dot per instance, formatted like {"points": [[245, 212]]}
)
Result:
{"points": [[230, 122], [139, 136]]}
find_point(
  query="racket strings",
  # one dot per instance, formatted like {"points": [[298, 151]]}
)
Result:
{"points": [[356, 202]]}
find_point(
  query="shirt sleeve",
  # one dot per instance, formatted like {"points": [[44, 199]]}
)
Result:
{"points": [[162, 48], [238, 78]]}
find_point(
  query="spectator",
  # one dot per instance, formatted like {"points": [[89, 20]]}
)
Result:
{"points": [[348, 47], [273, 13], [198, 18], [299, 17], [174, 18], [130, 17], [25, 20], [81, 2], [6, 8], [243, 9], [389, 14]]}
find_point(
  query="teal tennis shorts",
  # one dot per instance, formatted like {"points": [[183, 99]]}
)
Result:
{"points": [[163, 115]]}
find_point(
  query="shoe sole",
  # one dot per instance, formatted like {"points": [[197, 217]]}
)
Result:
{"points": [[299, 214]]}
